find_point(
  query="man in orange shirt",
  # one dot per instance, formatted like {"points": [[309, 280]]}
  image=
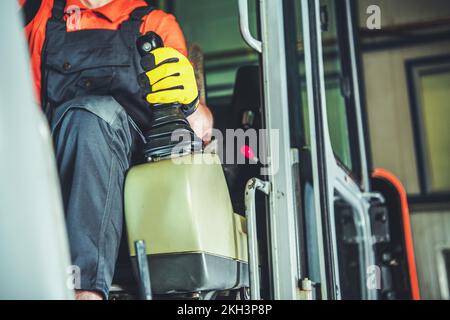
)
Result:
{"points": [[86, 67]]}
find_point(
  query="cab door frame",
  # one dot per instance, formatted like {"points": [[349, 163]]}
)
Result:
{"points": [[282, 203], [329, 178]]}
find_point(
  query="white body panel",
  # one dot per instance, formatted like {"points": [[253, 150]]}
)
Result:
{"points": [[34, 253]]}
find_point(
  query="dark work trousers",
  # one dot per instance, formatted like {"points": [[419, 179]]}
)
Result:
{"points": [[93, 138], [94, 141]]}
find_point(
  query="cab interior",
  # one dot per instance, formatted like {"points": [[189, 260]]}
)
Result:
{"points": [[229, 75]]}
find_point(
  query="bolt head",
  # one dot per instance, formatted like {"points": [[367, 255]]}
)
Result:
{"points": [[147, 46]]}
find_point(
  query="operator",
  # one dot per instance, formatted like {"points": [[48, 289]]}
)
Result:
{"points": [[86, 69]]}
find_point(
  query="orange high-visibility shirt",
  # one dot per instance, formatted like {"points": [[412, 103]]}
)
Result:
{"points": [[109, 16]]}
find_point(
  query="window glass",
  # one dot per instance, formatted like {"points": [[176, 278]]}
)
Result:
{"points": [[435, 110], [214, 25], [446, 255], [337, 104]]}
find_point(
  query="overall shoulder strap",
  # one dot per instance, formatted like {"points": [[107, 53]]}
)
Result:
{"points": [[58, 9], [29, 11], [139, 13], [131, 28]]}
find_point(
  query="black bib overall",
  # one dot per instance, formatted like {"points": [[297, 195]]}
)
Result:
{"points": [[93, 62], [90, 92]]}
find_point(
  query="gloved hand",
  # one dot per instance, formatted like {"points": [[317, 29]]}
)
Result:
{"points": [[169, 78]]}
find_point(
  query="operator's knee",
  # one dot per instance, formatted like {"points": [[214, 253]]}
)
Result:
{"points": [[82, 126], [97, 125]]}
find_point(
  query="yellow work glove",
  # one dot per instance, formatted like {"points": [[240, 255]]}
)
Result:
{"points": [[169, 78]]}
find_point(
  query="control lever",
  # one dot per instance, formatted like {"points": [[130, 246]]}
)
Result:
{"points": [[166, 117], [148, 42]]}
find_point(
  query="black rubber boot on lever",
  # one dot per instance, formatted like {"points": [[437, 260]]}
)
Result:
{"points": [[166, 118]]}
